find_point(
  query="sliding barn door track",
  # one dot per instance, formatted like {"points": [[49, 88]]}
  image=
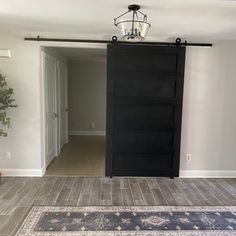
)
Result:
{"points": [[177, 42]]}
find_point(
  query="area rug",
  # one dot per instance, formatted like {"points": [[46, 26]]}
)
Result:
{"points": [[129, 221]]}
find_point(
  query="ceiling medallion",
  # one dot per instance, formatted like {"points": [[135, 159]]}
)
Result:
{"points": [[133, 24]]}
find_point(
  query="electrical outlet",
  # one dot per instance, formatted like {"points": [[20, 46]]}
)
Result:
{"points": [[7, 155], [188, 157], [93, 125]]}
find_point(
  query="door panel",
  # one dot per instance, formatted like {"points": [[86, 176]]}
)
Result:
{"points": [[141, 164], [63, 104], [157, 62], [144, 108], [144, 117], [141, 141], [145, 88], [50, 107]]}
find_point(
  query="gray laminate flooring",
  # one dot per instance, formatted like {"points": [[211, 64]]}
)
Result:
{"points": [[17, 194]]}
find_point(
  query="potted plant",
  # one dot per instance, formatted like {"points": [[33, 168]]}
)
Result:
{"points": [[6, 102]]}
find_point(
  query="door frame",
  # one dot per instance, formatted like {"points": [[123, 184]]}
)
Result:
{"points": [[59, 88], [42, 90]]}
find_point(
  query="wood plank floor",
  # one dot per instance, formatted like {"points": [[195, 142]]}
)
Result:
{"points": [[17, 195]]}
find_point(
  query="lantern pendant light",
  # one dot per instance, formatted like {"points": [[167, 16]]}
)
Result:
{"points": [[133, 24]]}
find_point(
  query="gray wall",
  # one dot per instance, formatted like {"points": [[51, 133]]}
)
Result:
{"points": [[87, 95], [209, 111]]}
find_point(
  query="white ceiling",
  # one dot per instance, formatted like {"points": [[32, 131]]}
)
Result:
{"points": [[191, 19]]}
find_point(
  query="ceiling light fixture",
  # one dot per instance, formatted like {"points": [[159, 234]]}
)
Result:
{"points": [[133, 24]]}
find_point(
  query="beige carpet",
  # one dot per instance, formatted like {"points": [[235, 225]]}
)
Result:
{"points": [[82, 156]]}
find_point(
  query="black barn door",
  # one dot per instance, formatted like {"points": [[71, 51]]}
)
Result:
{"points": [[144, 108]]}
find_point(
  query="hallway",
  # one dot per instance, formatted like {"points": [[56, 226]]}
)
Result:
{"points": [[82, 156]]}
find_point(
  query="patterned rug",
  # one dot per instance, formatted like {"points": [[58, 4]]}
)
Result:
{"points": [[129, 221]]}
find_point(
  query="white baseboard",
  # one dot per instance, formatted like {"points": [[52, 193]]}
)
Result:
{"points": [[23, 172], [207, 174], [183, 173], [90, 132]]}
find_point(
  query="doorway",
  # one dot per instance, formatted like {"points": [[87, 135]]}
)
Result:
{"points": [[144, 109], [79, 111]]}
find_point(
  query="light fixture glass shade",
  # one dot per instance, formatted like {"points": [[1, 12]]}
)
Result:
{"points": [[133, 24], [133, 30]]}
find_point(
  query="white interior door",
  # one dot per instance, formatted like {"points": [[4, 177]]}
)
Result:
{"points": [[63, 104], [50, 107]]}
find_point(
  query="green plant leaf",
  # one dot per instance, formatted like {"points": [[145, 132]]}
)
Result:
{"points": [[6, 102]]}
